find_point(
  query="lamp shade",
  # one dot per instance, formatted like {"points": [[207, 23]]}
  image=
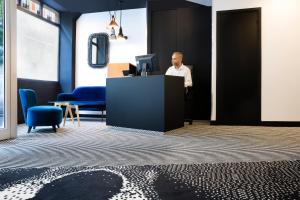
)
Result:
{"points": [[113, 23], [121, 35]]}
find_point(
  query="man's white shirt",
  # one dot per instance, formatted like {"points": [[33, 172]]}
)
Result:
{"points": [[182, 71]]}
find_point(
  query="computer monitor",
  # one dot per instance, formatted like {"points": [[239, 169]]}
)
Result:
{"points": [[147, 62]]}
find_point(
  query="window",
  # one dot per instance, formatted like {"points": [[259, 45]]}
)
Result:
{"points": [[38, 48]]}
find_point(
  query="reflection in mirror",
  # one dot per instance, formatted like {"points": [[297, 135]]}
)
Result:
{"points": [[98, 47]]}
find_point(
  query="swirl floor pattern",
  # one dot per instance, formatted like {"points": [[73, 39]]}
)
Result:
{"points": [[236, 181], [95, 144]]}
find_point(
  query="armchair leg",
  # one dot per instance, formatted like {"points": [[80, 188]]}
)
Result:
{"points": [[58, 126], [33, 127], [54, 128], [29, 129]]}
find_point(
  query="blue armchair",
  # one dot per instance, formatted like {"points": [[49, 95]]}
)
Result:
{"points": [[91, 98], [38, 115]]}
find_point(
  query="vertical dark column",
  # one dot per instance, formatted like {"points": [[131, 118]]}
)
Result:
{"points": [[164, 36], [194, 40], [67, 51], [184, 26]]}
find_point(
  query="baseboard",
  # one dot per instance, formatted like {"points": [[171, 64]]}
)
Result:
{"points": [[264, 123], [92, 116], [214, 122], [281, 124]]}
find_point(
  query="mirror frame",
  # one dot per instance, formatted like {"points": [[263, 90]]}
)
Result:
{"points": [[106, 50]]}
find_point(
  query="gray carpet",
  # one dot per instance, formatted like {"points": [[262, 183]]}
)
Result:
{"points": [[95, 144]]}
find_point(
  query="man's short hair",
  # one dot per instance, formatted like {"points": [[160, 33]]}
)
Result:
{"points": [[178, 54]]}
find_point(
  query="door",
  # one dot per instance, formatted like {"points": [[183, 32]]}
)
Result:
{"points": [[7, 78], [239, 67]]}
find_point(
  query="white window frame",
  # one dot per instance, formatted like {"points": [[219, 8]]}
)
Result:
{"points": [[10, 130]]}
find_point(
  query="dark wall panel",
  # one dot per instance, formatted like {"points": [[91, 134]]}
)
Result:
{"points": [[67, 51], [186, 27], [194, 39], [164, 45], [46, 91]]}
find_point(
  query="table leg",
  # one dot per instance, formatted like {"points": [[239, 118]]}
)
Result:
{"points": [[71, 114], [66, 114], [77, 113]]}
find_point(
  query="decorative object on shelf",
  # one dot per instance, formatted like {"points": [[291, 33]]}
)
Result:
{"points": [[121, 35], [98, 50], [24, 3], [39, 9]]}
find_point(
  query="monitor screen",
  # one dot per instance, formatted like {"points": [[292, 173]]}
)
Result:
{"points": [[149, 62]]}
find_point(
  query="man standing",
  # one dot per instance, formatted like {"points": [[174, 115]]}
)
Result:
{"points": [[178, 69]]}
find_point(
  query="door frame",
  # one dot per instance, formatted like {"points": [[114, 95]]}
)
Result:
{"points": [[10, 89], [218, 53]]}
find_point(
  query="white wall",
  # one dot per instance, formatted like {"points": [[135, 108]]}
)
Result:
{"points": [[134, 23], [280, 56]]}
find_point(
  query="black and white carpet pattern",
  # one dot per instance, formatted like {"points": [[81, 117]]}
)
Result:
{"points": [[246, 180], [95, 144]]}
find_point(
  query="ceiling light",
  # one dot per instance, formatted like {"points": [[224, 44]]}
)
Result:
{"points": [[121, 35]]}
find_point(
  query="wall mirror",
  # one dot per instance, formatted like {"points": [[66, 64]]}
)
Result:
{"points": [[98, 50]]}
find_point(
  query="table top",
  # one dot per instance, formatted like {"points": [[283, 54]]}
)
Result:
{"points": [[60, 102], [78, 103]]}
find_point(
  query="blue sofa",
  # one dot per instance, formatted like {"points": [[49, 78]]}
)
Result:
{"points": [[92, 98], [38, 115]]}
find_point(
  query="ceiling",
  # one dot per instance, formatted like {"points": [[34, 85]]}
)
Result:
{"points": [[89, 6]]}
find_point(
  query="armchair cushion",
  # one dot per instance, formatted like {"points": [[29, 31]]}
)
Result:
{"points": [[28, 99], [44, 116]]}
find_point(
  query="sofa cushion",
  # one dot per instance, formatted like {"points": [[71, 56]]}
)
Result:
{"points": [[90, 93]]}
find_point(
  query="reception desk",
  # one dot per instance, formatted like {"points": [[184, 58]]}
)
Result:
{"points": [[150, 103]]}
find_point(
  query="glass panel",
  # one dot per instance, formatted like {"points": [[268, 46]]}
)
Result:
{"points": [[2, 71], [94, 51], [37, 50]]}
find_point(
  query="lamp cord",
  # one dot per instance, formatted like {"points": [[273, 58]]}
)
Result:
{"points": [[121, 9]]}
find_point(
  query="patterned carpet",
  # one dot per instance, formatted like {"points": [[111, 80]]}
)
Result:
{"points": [[261, 180], [95, 144]]}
